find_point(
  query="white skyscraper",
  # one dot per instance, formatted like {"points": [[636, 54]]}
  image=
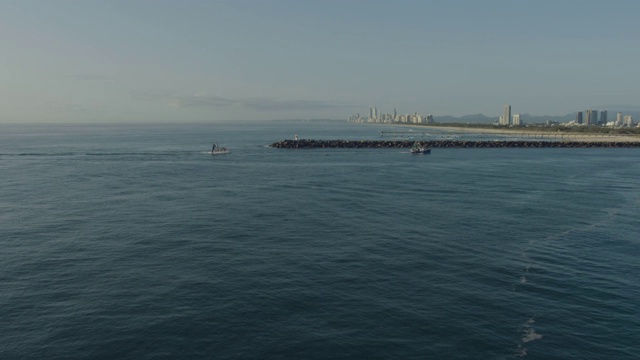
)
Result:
{"points": [[505, 119]]}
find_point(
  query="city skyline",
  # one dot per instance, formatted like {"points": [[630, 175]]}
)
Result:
{"points": [[380, 117], [592, 117], [170, 61]]}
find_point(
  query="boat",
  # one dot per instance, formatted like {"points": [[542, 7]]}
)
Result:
{"points": [[218, 150], [418, 148]]}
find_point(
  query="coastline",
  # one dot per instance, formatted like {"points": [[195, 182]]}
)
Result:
{"points": [[467, 144], [540, 135]]}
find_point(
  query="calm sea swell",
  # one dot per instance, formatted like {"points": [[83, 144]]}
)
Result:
{"points": [[132, 242]]}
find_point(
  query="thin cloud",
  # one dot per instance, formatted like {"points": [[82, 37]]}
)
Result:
{"points": [[200, 101], [265, 104], [68, 106], [620, 107], [255, 104], [87, 77]]}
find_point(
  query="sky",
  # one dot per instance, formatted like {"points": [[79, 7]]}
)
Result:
{"points": [[87, 61]]}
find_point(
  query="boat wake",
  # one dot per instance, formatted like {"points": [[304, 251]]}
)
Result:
{"points": [[529, 334]]}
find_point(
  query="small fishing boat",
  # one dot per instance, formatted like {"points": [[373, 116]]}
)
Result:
{"points": [[217, 150], [418, 148]]}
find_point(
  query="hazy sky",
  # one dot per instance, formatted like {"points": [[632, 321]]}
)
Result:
{"points": [[198, 60]]}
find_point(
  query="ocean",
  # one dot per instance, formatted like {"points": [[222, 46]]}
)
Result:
{"points": [[132, 242]]}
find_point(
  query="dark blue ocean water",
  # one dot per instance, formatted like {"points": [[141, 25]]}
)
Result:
{"points": [[131, 242]]}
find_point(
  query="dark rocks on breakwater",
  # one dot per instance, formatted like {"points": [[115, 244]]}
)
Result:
{"points": [[394, 144]]}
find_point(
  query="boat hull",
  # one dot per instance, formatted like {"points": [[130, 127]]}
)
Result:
{"points": [[421, 151]]}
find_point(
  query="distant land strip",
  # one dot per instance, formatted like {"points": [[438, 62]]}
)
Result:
{"points": [[394, 144]]}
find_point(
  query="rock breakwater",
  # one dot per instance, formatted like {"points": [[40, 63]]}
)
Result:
{"points": [[384, 144]]}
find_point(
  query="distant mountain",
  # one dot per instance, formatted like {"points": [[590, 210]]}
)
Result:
{"points": [[466, 119], [612, 111], [531, 119], [483, 119], [623, 108], [626, 110]]}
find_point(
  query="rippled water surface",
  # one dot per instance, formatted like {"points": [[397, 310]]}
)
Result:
{"points": [[132, 242]]}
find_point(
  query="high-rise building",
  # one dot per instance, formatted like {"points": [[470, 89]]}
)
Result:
{"points": [[506, 116], [603, 117], [591, 117], [430, 119], [370, 112], [579, 117], [516, 120], [587, 117]]}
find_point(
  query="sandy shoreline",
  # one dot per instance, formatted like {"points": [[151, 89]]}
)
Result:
{"points": [[532, 135]]}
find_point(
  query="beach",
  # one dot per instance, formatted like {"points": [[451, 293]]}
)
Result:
{"points": [[542, 135]]}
